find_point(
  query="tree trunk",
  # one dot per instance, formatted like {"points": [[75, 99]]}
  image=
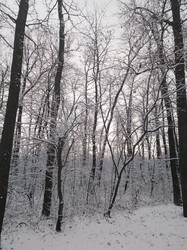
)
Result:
{"points": [[107, 126], [59, 188], [54, 113], [129, 124], [96, 79], [163, 132], [158, 145], [181, 98], [12, 105], [85, 135], [96, 75], [172, 145], [61, 165], [94, 144], [120, 173], [170, 120]]}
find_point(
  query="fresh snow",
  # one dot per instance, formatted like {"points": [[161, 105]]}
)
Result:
{"points": [[156, 228]]}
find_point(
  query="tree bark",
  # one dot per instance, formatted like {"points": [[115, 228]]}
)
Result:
{"points": [[61, 165], [158, 144], [12, 105], [61, 143], [170, 120], [54, 113], [181, 98], [129, 124], [163, 133], [85, 133], [172, 144]]}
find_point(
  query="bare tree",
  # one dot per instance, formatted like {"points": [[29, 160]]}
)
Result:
{"points": [[181, 97], [157, 25], [128, 160], [12, 105], [54, 114], [97, 44]]}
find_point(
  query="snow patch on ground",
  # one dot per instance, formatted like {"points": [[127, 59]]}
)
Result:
{"points": [[156, 228]]}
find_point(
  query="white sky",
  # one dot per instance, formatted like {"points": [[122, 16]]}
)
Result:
{"points": [[111, 5], [108, 6]]}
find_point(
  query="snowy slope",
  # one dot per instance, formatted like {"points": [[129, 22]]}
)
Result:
{"points": [[158, 228]]}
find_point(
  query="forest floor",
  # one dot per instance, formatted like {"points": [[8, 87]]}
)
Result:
{"points": [[157, 228]]}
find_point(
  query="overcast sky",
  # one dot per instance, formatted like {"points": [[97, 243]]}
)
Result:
{"points": [[110, 5]]}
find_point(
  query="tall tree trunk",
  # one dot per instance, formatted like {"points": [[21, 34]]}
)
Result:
{"points": [[60, 146], [96, 78], [54, 113], [85, 129], [181, 98], [172, 144], [170, 120], [163, 132], [61, 165], [149, 146], [94, 144], [129, 124], [12, 105], [107, 126], [158, 145]]}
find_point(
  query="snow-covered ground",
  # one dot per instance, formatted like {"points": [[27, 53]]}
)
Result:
{"points": [[158, 228]]}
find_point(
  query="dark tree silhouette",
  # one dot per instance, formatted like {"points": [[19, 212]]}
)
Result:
{"points": [[54, 113], [181, 97], [12, 105]]}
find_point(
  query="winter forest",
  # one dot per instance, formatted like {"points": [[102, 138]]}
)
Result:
{"points": [[93, 114]]}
